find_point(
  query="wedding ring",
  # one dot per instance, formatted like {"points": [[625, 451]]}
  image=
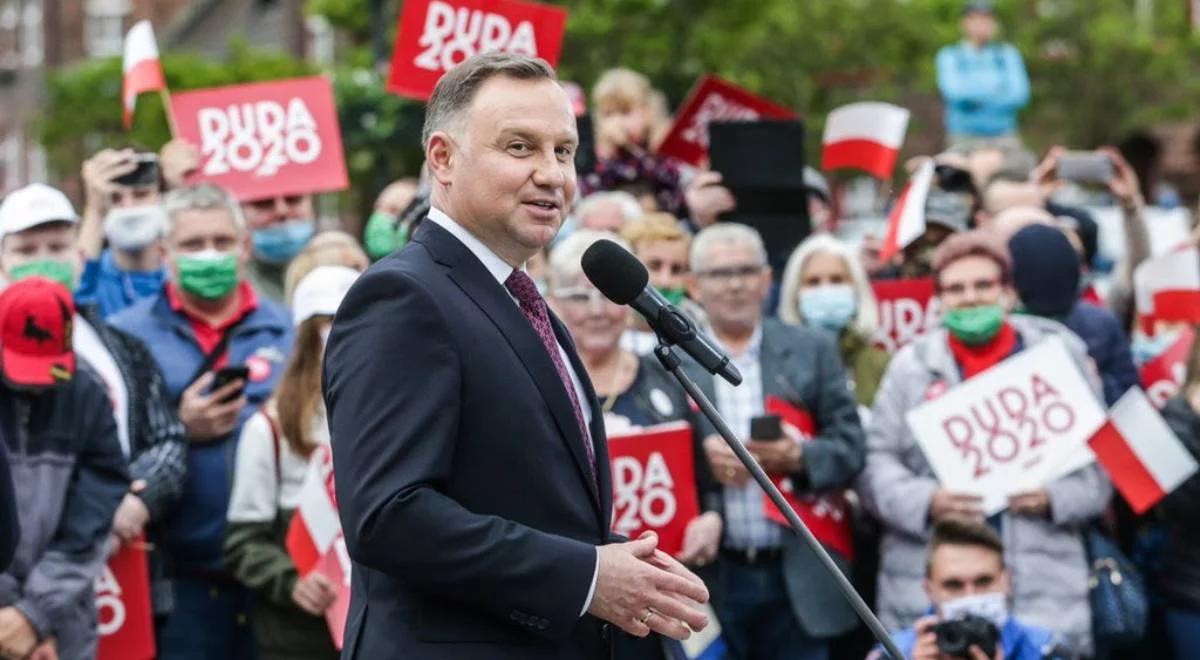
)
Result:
{"points": [[649, 613]]}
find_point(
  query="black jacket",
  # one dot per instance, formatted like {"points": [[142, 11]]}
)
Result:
{"points": [[463, 484], [1178, 578], [10, 529]]}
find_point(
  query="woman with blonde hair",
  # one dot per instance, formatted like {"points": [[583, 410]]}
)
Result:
{"points": [[273, 456], [825, 286]]}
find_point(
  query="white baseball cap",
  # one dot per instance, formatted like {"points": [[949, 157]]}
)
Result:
{"points": [[35, 204], [321, 292]]}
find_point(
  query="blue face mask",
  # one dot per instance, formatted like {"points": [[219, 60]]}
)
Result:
{"points": [[145, 283], [278, 244], [831, 307], [1145, 349]]}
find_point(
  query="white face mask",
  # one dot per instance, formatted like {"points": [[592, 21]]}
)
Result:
{"points": [[133, 228], [992, 606]]}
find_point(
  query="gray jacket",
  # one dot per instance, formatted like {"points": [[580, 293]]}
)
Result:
{"points": [[804, 364], [69, 476], [1046, 557]]}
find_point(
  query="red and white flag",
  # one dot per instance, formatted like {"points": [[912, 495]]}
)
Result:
{"points": [[1142, 456], [142, 68], [907, 220], [865, 136], [1168, 287], [315, 525]]}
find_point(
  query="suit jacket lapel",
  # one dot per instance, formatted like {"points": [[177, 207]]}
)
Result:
{"points": [[491, 297], [773, 358]]}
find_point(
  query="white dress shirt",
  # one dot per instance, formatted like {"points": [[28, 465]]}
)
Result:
{"points": [[500, 269]]}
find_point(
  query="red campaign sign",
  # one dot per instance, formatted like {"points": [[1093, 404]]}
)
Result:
{"points": [[654, 483], [827, 515], [1163, 376], [434, 36], [265, 139], [713, 99], [907, 309], [126, 623]]}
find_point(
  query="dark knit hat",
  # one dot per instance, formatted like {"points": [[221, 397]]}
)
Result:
{"points": [[1045, 270]]}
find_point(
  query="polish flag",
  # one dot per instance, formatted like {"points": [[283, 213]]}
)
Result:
{"points": [[142, 68], [1142, 456], [865, 136], [1168, 287], [315, 525], [907, 220]]}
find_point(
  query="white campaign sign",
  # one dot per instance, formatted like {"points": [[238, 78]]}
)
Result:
{"points": [[1011, 428]]}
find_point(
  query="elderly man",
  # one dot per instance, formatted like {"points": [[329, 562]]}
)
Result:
{"points": [[778, 602], [607, 211], [472, 480], [205, 318]]}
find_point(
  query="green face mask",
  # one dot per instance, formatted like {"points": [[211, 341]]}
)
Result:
{"points": [[382, 237], [672, 295], [62, 272], [974, 325], [210, 275]]}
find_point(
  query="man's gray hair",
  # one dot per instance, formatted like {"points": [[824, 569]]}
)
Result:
{"points": [[456, 89], [724, 233], [201, 197], [627, 203]]}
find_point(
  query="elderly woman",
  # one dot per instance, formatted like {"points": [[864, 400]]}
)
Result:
{"points": [[633, 391], [1043, 545], [825, 287]]}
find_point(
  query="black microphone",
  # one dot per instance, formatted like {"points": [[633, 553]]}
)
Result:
{"points": [[624, 280]]}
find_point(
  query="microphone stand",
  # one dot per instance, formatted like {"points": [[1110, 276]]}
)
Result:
{"points": [[670, 361]]}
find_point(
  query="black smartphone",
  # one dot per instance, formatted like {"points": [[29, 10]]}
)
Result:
{"points": [[228, 375], [766, 427], [146, 172]]}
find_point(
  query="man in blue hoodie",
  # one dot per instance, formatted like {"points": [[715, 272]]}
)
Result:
{"points": [[207, 316], [983, 84]]}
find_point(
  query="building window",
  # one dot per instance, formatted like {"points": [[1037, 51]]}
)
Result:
{"points": [[10, 22], [32, 50], [104, 27]]}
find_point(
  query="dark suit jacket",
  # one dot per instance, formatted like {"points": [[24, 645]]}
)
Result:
{"points": [[462, 481], [803, 367]]}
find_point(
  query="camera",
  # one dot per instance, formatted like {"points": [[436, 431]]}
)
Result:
{"points": [[956, 637]]}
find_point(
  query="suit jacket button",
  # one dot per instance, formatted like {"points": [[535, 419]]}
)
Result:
{"points": [[605, 631], [543, 624]]}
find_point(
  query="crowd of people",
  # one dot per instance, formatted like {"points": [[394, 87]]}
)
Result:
{"points": [[161, 355]]}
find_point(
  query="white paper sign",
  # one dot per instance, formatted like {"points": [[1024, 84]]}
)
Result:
{"points": [[1012, 427]]}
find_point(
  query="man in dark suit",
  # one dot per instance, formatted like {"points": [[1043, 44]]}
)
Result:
{"points": [[472, 471]]}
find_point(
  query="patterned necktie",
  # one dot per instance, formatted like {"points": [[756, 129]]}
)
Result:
{"points": [[534, 308]]}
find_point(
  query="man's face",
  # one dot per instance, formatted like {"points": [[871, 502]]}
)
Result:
{"points": [[972, 281], [506, 169], [53, 241], [126, 196], [271, 211], [667, 262], [604, 217], [979, 27], [198, 230], [956, 571], [732, 287]]}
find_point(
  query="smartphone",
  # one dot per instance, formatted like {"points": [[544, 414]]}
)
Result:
{"points": [[228, 375], [146, 172], [766, 427], [1085, 167]]}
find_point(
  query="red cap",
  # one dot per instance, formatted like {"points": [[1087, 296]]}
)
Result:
{"points": [[35, 333]]}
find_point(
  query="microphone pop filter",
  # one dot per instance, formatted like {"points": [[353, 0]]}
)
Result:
{"points": [[615, 271]]}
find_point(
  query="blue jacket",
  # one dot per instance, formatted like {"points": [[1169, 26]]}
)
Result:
{"points": [[983, 88], [1019, 641], [195, 530], [1107, 345], [111, 289]]}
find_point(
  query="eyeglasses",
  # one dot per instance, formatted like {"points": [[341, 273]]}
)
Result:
{"points": [[579, 296], [730, 273], [982, 288]]}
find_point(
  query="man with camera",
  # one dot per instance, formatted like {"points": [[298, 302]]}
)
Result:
{"points": [[969, 587]]}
